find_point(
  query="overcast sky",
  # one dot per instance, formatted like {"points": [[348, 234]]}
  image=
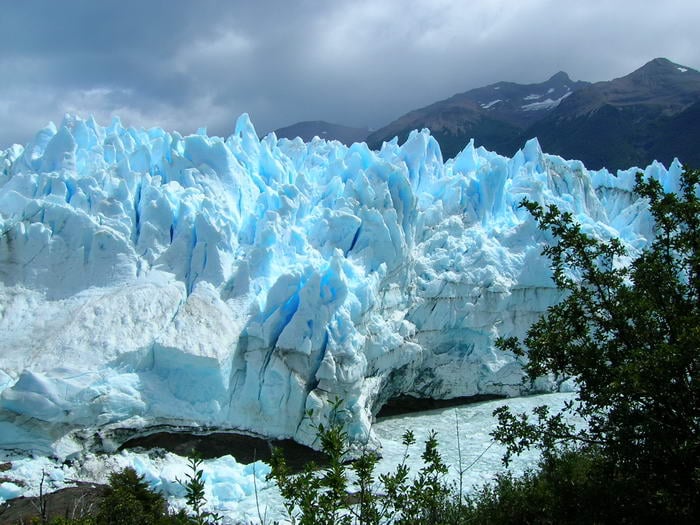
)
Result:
{"points": [[182, 65]]}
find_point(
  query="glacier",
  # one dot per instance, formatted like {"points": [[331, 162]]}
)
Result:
{"points": [[150, 279]]}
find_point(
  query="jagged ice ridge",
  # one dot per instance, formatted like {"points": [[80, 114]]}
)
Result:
{"points": [[148, 278]]}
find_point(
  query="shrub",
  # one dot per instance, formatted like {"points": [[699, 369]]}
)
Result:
{"points": [[130, 501], [323, 496], [194, 488]]}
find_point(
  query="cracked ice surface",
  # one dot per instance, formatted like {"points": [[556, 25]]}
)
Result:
{"points": [[150, 278]]}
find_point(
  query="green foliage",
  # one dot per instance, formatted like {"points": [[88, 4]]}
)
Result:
{"points": [[323, 496], [423, 501], [312, 497], [87, 520], [130, 501], [567, 488], [629, 335], [194, 487]]}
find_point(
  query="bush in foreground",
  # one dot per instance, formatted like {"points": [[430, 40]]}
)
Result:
{"points": [[629, 334], [326, 496]]}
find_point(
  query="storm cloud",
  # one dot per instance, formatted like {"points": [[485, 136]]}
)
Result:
{"points": [[183, 65]]}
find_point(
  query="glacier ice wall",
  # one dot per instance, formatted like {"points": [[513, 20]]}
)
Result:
{"points": [[149, 278]]}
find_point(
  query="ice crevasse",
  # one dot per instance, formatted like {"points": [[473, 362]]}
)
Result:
{"points": [[148, 278]]}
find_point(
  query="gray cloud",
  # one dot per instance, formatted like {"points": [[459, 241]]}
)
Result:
{"points": [[182, 65]]}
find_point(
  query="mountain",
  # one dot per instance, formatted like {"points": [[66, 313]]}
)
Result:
{"points": [[150, 280], [650, 114], [325, 130], [495, 115]]}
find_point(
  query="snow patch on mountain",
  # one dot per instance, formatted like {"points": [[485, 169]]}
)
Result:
{"points": [[151, 278], [491, 104], [547, 103]]}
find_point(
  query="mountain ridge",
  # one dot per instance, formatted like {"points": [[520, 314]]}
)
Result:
{"points": [[631, 120], [494, 115], [645, 115]]}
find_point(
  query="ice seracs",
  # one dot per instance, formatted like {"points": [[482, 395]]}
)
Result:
{"points": [[150, 278]]}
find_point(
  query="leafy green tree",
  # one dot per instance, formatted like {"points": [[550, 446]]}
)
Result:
{"points": [[130, 501], [629, 335]]}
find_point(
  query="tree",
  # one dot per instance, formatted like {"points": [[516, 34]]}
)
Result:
{"points": [[130, 501], [629, 335]]}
